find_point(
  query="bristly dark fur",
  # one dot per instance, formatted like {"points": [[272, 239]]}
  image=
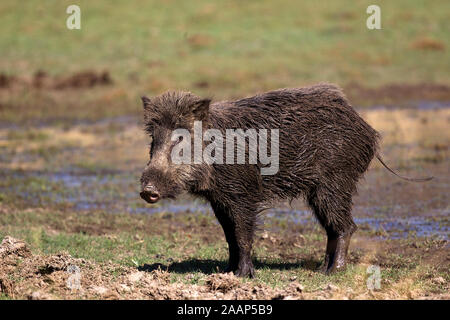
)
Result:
{"points": [[324, 149]]}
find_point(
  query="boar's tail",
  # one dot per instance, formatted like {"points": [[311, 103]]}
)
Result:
{"points": [[401, 177]]}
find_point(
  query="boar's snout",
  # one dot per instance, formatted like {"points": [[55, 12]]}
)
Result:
{"points": [[150, 194]]}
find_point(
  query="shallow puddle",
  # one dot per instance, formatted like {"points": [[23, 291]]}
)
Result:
{"points": [[393, 228], [119, 192]]}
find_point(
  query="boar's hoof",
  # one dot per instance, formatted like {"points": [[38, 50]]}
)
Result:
{"points": [[335, 268], [336, 255], [245, 270]]}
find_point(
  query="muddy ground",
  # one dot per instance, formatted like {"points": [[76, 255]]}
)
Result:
{"points": [[73, 225]]}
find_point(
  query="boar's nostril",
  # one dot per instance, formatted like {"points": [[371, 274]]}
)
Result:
{"points": [[149, 188]]}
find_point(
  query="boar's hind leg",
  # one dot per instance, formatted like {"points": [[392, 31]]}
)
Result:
{"points": [[333, 210], [239, 235]]}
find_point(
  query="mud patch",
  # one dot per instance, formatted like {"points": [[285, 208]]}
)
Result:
{"points": [[86, 79], [382, 227], [42, 80], [6, 80], [428, 44], [392, 93]]}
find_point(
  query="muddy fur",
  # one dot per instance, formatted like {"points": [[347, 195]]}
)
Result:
{"points": [[324, 149]]}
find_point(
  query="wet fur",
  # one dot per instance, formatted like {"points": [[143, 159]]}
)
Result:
{"points": [[325, 147]]}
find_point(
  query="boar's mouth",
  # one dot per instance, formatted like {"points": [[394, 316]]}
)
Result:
{"points": [[153, 198], [150, 197]]}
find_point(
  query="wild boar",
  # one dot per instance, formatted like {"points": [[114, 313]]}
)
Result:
{"points": [[322, 148]]}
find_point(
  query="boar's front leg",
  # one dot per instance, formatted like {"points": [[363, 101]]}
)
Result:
{"points": [[239, 235]]}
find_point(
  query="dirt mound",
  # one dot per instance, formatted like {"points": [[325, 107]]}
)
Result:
{"points": [[42, 80], [11, 246], [399, 92], [24, 275], [6, 80], [222, 282], [62, 276], [85, 79], [59, 262]]}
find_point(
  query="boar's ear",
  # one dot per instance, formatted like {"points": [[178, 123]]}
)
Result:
{"points": [[200, 108], [145, 101]]}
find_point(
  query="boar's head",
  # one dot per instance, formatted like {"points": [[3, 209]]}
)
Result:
{"points": [[162, 177]]}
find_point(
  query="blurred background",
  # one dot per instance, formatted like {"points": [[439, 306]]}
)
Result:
{"points": [[225, 49], [71, 144]]}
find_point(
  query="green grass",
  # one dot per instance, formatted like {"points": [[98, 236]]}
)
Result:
{"points": [[151, 242], [4, 297], [223, 49], [237, 48]]}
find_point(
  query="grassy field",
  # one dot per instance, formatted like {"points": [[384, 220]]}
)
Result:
{"points": [[72, 148], [222, 49], [187, 252], [237, 48]]}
